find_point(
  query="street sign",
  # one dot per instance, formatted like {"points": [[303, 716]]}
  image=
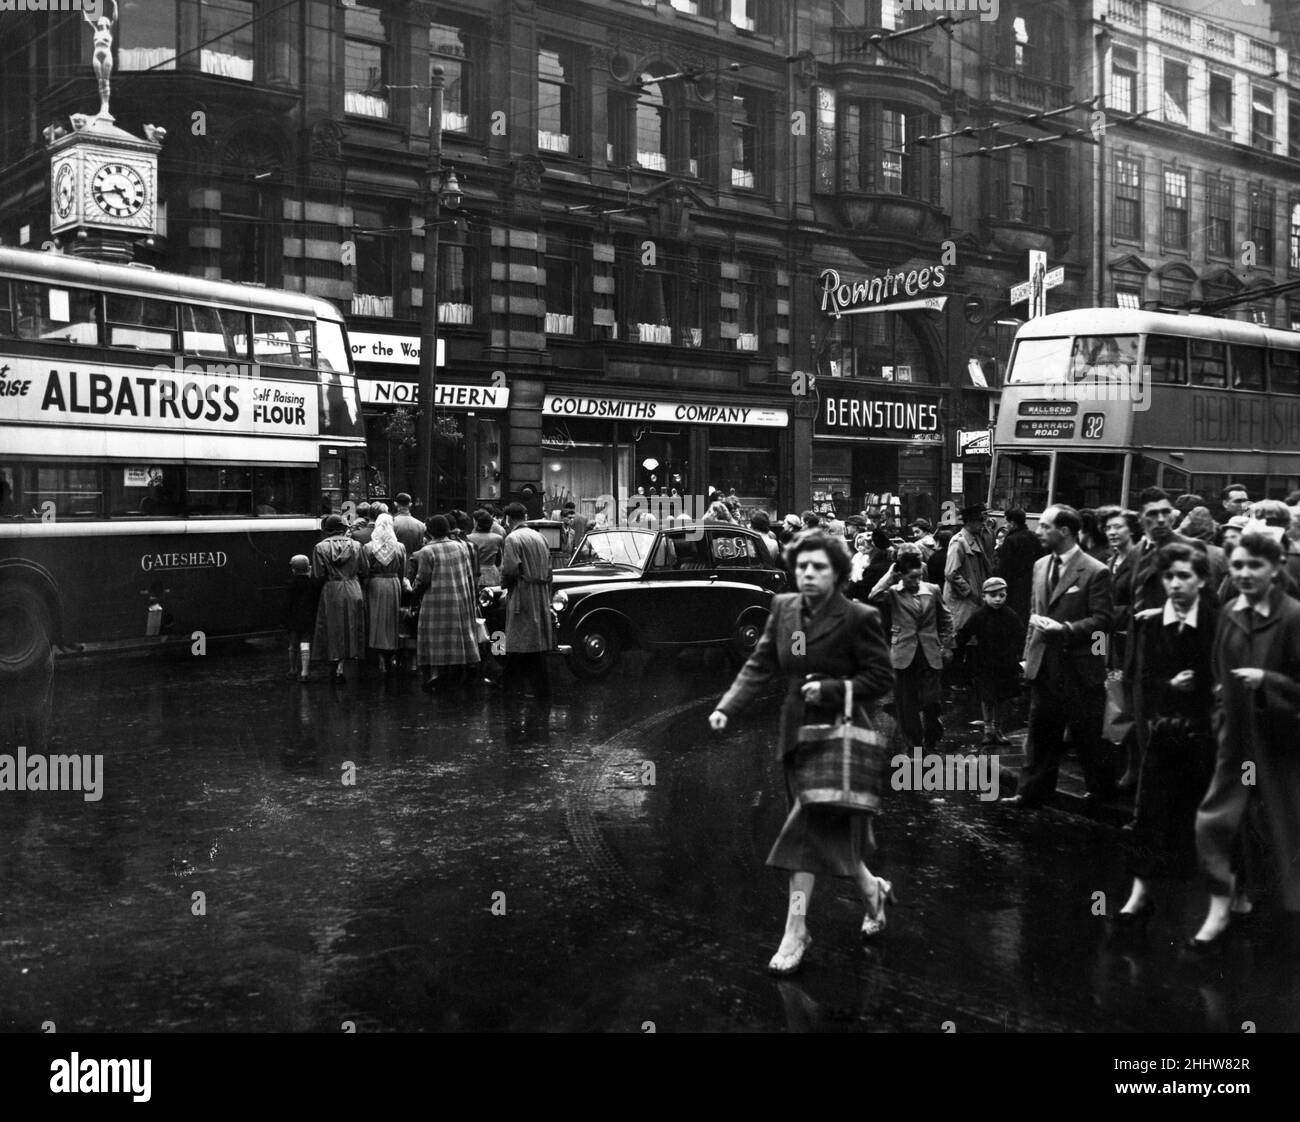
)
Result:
{"points": [[1034, 290]]}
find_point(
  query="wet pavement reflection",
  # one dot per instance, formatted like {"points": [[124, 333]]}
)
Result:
{"points": [[368, 853]]}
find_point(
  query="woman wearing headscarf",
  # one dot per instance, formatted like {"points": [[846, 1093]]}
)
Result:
{"points": [[447, 610], [336, 565], [385, 562], [842, 640]]}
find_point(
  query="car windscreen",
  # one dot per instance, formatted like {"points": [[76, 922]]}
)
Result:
{"points": [[613, 547]]}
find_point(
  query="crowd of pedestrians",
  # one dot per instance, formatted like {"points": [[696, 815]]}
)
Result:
{"points": [[407, 594], [1160, 644]]}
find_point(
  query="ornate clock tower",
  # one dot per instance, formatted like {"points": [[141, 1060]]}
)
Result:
{"points": [[103, 180]]}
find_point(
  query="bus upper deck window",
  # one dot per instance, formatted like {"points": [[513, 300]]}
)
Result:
{"points": [[1103, 356], [1166, 355], [56, 314], [6, 310], [1209, 364], [333, 351], [214, 332], [1247, 367], [141, 323], [280, 341], [1284, 371]]}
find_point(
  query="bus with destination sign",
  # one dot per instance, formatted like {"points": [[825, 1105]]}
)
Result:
{"points": [[167, 443], [1099, 403]]}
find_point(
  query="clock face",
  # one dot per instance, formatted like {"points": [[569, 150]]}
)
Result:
{"points": [[63, 191], [118, 190]]}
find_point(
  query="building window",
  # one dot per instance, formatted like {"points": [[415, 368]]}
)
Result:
{"points": [[1263, 202], [1293, 128], [1261, 316], [448, 48], [561, 285], [147, 40], [1175, 95], [1173, 230], [1221, 106], [247, 254], [1123, 80], [882, 345], [878, 153], [1028, 186], [455, 283], [374, 275], [1218, 210], [746, 119], [653, 127], [699, 157], [749, 317], [824, 157], [751, 15], [1262, 128], [661, 303], [1295, 233], [1128, 199], [1128, 298], [365, 90], [226, 32], [555, 98], [1020, 31]]}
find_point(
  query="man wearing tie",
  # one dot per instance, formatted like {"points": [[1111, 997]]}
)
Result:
{"points": [[1065, 662]]}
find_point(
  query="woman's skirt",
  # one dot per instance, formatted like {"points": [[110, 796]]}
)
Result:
{"points": [[383, 608], [827, 841], [489, 576], [340, 622], [1176, 772]]}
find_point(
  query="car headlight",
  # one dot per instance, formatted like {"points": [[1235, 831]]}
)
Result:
{"points": [[559, 601]]}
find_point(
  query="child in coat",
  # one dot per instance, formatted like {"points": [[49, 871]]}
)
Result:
{"points": [[999, 637], [300, 615]]}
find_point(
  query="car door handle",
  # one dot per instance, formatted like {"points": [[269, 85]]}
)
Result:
{"points": [[713, 576]]}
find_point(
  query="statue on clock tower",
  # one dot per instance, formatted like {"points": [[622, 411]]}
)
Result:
{"points": [[103, 57]]}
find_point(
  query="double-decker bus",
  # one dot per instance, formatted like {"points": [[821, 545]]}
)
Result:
{"points": [[1101, 402], [167, 443]]}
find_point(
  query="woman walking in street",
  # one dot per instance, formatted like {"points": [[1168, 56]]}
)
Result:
{"points": [[1174, 646], [1257, 679], [446, 579], [488, 543], [816, 639], [336, 565], [385, 565]]}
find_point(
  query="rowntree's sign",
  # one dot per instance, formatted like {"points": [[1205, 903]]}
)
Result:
{"points": [[840, 297]]}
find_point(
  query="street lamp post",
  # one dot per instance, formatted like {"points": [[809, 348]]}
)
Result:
{"points": [[436, 192]]}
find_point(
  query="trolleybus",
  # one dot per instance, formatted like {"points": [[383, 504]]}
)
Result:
{"points": [[1101, 402], [167, 443]]}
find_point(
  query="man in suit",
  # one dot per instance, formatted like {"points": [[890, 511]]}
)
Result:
{"points": [[921, 640], [1065, 662]]}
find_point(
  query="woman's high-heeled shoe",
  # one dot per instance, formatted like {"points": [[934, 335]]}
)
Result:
{"points": [[1137, 920], [784, 964], [1209, 946], [874, 921]]}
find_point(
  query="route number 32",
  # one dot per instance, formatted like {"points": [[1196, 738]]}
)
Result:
{"points": [[1093, 424]]}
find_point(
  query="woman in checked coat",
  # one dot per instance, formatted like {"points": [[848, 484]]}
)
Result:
{"points": [[815, 639], [447, 633], [336, 564]]}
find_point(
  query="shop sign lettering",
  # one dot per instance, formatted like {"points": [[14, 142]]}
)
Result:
{"points": [[841, 297]]}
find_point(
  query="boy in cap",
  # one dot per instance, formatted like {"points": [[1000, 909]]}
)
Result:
{"points": [[999, 637], [300, 615]]}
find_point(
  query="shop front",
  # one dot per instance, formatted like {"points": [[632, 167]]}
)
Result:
{"points": [[469, 427], [598, 450], [878, 449]]}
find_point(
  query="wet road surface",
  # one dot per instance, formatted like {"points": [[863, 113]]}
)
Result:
{"points": [[498, 864]]}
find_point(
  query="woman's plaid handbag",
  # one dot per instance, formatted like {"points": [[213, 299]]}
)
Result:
{"points": [[842, 764]]}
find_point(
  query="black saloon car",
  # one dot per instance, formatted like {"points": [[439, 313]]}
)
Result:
{"points": [[635, 588]]}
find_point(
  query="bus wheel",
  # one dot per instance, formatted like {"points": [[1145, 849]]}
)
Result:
{"points": [[24, 630]]}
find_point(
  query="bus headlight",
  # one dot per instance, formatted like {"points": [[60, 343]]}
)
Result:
{"points": [[559, 601]]}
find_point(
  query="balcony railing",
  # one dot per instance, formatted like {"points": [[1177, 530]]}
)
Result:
{"points": [[1024, 89], [1220, 40], [1176, 26], [552, 141], [1126, 11], [1262, 54], [851, 45]]}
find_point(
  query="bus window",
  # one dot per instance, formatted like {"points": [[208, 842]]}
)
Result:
{"points": [[55, 314], [282, 490], [278, 341], [1021, 481], [73, 492], [1086, 479], [214, 332], [1247, 367], [332, 350], [1040, 360], [1284, 371], [145, 490], [6, 309], [1166, 355], [218, 490], [1103, 356], [145, 325], [1209, 364]]}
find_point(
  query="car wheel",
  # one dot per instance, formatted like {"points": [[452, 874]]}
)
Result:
{"points": [[596, 648], [24, 630], [745, 638]]}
